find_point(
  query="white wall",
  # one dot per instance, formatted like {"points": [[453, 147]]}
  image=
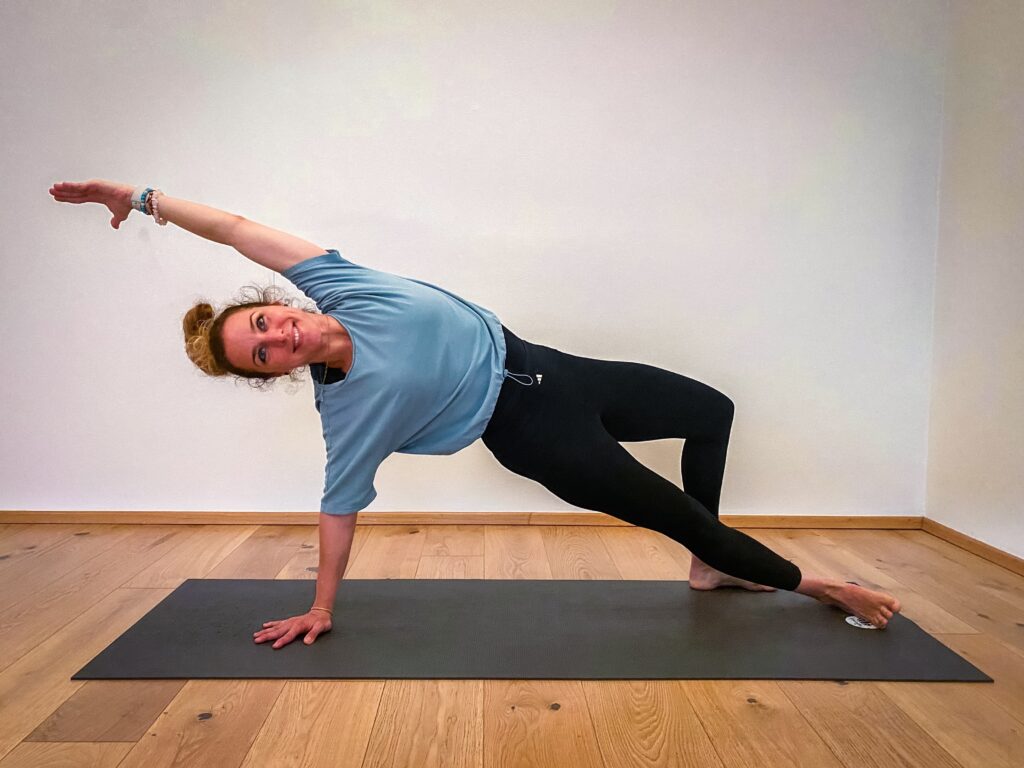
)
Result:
{"points": [[976, 448], [743, 192]]}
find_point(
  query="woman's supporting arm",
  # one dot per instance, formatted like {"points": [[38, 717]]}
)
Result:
{"points": [[336, 534]]}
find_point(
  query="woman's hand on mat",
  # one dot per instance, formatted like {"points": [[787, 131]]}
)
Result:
{"points": [[117, 197], [314, 624]]}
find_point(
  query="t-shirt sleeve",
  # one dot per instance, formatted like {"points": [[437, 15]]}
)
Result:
{"points": [[322, 278], [349, 490], [361, 438], [348, 478]]}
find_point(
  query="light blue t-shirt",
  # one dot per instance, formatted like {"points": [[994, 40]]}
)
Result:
{"points": [[425, 376]]}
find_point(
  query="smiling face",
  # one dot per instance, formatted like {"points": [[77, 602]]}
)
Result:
{"points": [[274, 339]]}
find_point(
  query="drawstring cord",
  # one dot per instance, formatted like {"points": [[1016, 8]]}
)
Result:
{"points": [[509, 375]]}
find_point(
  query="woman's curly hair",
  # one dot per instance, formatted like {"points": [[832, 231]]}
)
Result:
{"points": [[204, 340]]}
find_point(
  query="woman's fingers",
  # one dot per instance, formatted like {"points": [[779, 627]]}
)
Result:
{"points": [[81, 191], [67, 197], [266, 633], [284, 632], [70, 188], [288, 637]]}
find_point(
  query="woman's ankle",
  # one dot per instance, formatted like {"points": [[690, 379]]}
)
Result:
{"points": [[818, 587]]}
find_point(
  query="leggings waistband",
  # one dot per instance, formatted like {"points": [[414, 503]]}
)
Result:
{"points": [[516, 360]]}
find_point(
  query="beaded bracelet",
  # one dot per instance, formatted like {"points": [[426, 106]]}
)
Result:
{"points": [[156, 208], [144, 200]]}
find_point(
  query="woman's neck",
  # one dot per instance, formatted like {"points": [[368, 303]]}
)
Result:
{"points": [[339, 344]]}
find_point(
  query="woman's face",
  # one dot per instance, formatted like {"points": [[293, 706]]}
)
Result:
{"points": [[273, 339]]}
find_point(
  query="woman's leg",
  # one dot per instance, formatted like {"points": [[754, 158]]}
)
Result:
{"points": [[560, 434], [653, 404], [639, 402], [591, 470], [558, 431]]}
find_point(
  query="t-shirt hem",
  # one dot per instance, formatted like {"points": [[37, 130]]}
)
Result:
{"points": [[359, 507]]}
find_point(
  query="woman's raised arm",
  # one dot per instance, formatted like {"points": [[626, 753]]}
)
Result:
{"points": [[268, 247], [209, 223]]}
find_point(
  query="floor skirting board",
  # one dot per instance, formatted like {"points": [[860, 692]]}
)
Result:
{"points": [[992, 554]]}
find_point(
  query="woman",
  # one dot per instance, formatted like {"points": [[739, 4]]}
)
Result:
{"points": [[401, 365]]}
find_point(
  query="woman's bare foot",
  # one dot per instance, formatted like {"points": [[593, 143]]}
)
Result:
{"points": [[703, 576], [874, 607]]}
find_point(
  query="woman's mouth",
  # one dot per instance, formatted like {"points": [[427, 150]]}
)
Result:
{"points": [[296, 336]]}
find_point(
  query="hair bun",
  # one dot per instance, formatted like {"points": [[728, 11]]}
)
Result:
{"points": [[196, 327]]}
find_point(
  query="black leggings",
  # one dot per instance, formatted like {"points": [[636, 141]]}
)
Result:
{"points": [[559, 419]]}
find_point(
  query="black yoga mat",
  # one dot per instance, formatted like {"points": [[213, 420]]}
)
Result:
{"points": [[519, 629]]}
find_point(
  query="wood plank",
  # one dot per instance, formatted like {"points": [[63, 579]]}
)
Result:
{"points": [[448, 731], [40, 681], [36, 617], [452, 552], [265, 552], [193, 558], [962, 719], [211, 723], [990, 577], [108, 710], [318, 724], [648, 722], [538, 722], [454, 541], [863, 727], [68, 755], [389, 552], [577, 553], [753, 723], [48, 564], [514, 552], [23, 542], [455, 567], [1005, 665], [643, 554]]}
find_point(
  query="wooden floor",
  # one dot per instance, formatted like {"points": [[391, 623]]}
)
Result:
{"points": [[68, 591]]}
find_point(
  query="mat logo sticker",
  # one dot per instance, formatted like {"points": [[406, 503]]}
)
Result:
{"points": [[859, 623]]}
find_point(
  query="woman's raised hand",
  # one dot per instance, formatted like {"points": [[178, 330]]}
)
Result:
{"points": [[284, 631], [117, 197]]}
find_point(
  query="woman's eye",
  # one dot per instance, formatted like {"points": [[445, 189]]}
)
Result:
{"points": [[260, 320], [262, 354]]}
